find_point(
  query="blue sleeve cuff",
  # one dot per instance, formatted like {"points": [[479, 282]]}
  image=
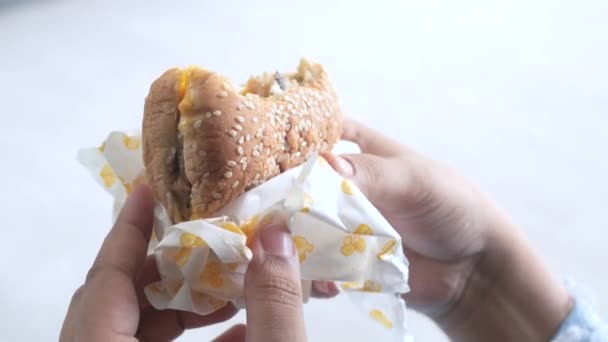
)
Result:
{"points": [[582, 325]]}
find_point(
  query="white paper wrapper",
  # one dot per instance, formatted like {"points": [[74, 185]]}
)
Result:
{"points": [[340, 236]]}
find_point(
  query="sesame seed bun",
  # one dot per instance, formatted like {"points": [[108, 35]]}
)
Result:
{"points": [[205, 142]]}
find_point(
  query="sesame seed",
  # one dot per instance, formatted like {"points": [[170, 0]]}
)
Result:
{"points": [[303, 143], [228, 174], [235, 184], [240, 107], [198, 123], [248, 137], [226, 86], [241, 140], [217, 113], [244, 166], [239, 118], [239, 150], [257, 176], [231, 163], [297, 154], [238, 127], [232, 133], [254, 119], [222, 94], [255, 153], [208, 115], [290, 107], [249, 105], [281, 108], [217, 195]]}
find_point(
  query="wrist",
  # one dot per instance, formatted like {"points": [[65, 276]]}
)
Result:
{"points": [[509, 296]]}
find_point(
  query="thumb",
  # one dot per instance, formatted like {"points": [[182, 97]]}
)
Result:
{"points": [[368, 172], [273, 293]]}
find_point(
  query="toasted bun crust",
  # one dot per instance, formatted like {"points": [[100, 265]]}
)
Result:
{"points": [[204, 143]]}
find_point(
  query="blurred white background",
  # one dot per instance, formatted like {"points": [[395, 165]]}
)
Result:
{"points": [[513, 94]]}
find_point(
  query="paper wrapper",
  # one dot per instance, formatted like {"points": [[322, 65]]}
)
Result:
{"points": [[340, 236]]}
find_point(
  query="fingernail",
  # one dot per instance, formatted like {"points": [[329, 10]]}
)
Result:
{"points": [[321, 286], [344, 167], [332, 289], [276, 240], [325, 289]]}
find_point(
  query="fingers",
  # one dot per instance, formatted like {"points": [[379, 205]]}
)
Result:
{"points": [[324, 289], [148, 275], [124, 249], [107, 306], [273, 293], [234, 334], [166, 325], [370, 140]]}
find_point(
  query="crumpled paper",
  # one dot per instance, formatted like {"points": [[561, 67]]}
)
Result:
{"points": [[340, 236]]}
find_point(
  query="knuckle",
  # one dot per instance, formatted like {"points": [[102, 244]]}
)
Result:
{"points": [[279, 290], [276, 283], [77, 295], [102, 270]]}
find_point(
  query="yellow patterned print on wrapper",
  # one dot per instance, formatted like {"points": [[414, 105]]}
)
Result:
{"points": [[248, 227], [108, 176], [232, 227], [212, 275], [303, 246], [132, 143], [232, 267], [368, 286], [387, 249], [351, 244], [371, 286], [381, 318], [364, 229], [350, 285], [154, 288], [128, 186], [187, 241], [307, 204], [347, 187]]}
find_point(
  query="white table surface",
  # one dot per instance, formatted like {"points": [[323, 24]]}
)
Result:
{"points": [[513, 94]]}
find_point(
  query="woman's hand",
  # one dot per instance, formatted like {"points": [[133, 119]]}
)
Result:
{"points": [[470, 270], [111, 306]]}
